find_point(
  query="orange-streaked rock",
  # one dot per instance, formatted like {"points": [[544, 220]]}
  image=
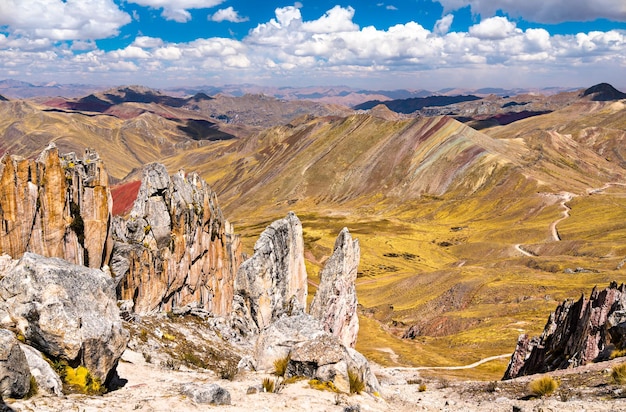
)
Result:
{"points": [[56, 206]]}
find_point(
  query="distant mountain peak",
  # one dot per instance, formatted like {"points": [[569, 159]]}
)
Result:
{"points": [[603, 92]]}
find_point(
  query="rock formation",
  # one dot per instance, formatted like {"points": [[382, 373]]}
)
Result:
{"points": [[273, 281], [312, 352], [44, 375], [56, 206], [14, 371], [67, 311], [576, 333], [335, 302], [175, 247]]}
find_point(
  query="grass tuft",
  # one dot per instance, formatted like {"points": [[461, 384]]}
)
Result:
{"points": [[280, 366], [356, 382], [323, 385], [546, 385], [618, 374], [272, 385], [34, 388]]}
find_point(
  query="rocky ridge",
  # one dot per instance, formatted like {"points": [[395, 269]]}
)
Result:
{"points": [[175, 252], [576, 333], [56, 206], [175, 247]]}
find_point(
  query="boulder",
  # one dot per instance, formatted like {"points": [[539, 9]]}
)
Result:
{"points": [[576, 333], [212, 394], [175, 248], [41, 370], [335, 302], [312, 353], [66, 311], [273, 281], [14, 372], [56, 206], [277, 340]]}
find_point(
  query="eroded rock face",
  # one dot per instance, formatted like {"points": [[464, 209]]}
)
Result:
{"points": [[14, 371], [576, 333], [273, 281], [56, 206], [335, 302], [175, 247], [67, 311]]}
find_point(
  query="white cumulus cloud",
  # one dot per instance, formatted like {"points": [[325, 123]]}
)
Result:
{"points": [[62, 20], [228, 14], [493, 28], [545, 11], [442, 26], [177, 10]]}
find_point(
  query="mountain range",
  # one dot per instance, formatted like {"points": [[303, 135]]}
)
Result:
{"points": [[475, 219]]}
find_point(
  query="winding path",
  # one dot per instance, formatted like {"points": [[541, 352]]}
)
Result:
{"points": [[565, 197], [451, 368]]}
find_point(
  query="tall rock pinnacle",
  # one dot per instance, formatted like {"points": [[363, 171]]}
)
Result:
{"points": [[335, 303]]}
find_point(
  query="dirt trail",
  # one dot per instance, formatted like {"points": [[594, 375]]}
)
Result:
{"points": [[452, 368], [565, 197]]}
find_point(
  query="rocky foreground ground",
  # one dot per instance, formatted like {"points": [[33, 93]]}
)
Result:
{"points": [[152, 387]]}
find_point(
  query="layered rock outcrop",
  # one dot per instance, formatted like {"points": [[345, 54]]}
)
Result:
{"points": [[576, 333], [67, 311], [56, 206], [335, 302], [273, 281], [175, 247]]}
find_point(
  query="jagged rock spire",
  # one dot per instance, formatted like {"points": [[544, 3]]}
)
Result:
{"points": [[335, 303]]}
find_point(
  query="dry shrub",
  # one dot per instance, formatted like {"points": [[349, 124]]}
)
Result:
{"points": [[356, 382], [323, 385], [618, 374], [280, 366], [272, 385], [545, 385]]}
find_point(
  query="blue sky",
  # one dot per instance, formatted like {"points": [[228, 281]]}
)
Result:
{"points": [[374, 44]]}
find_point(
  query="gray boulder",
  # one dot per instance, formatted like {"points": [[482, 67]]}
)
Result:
{"points": [[277, 340], [273, 282], [66, 311], [335, 302], [325, 358], [312, 352], [212, 394], [14, 371], [41, 370]]}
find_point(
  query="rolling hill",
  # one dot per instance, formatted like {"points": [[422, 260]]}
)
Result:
{"points": [[457, 226]]}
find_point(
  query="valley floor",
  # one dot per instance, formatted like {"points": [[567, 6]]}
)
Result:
{"points": [[150, 387]]}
